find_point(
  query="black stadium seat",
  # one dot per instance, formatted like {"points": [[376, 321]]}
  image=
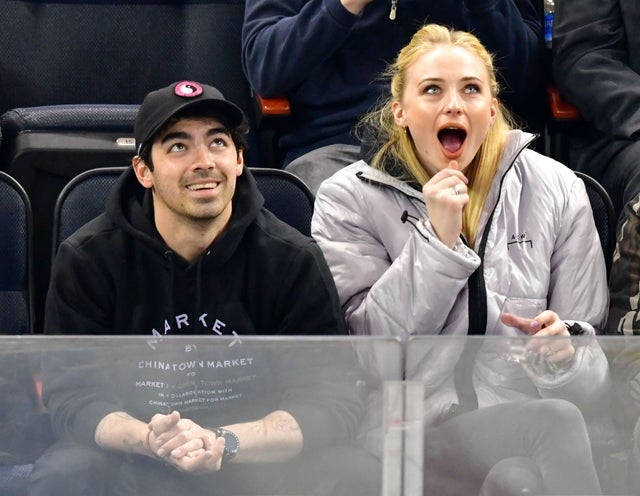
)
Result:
{"points": [[603, 216]]}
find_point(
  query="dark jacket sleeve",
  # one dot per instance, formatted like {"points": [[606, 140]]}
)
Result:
{"points": [[322, 382], [512, 31], [78, 297], [77, 303], [591, 65], [308, 302], [283, 40]]}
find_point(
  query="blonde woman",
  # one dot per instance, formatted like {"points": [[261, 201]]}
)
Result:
{"points": [[455, 227]]}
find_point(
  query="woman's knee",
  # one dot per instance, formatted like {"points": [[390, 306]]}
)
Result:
{"points": [[513, 476], [558, 413]]}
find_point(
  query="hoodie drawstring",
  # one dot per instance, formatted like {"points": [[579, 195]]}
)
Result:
{"points": [[199, 282], [168, 255]]}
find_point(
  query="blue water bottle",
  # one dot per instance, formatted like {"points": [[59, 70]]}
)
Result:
{"points": [[549, 8]]}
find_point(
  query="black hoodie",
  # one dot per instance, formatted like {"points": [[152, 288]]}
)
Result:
{"points": [[116, 276]]}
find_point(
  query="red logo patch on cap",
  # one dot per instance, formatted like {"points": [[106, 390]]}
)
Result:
{"points": [[188, 89]]}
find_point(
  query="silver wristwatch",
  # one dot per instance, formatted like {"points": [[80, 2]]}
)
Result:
{"points": [[231, 443]]}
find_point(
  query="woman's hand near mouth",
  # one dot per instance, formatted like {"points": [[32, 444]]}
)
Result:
{"points": [[445, 195]]}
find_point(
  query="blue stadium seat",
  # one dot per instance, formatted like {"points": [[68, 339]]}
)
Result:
{"points": [[16, 299], [22, 427], [85, 196]]}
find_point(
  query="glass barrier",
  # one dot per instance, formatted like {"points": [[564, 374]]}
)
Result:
{"points": [[137, 414], [515, 415], [435, 415]]}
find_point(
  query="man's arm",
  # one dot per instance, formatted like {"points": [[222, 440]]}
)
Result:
{"points": [[119, 431], [276, 437], [591, 65], [78, 299], [77, 303], [169, 438], [512, 31], [320, 390], [284, 40], [190, 447]]}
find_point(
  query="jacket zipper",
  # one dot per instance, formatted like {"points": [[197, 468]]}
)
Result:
{"points": [[394, 8]]}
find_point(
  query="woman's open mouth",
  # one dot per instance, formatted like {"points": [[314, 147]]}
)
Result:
{"points": [[452, 139]]}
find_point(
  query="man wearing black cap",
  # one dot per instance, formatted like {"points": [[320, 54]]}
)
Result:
{"points": [[185, 247]]}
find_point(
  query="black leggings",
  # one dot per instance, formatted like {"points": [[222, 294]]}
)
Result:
{"points": [[533, 447]]}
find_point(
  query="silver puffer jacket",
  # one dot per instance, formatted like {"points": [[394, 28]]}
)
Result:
{"points": [[398, 279]]}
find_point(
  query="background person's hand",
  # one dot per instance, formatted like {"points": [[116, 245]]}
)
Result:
{"points": [[355, 6]]}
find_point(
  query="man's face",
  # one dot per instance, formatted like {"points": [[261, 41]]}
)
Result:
{"points": [[195, 166]]}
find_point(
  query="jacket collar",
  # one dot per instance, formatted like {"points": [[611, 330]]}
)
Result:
{"points": [[516, 142], [377, 177]]}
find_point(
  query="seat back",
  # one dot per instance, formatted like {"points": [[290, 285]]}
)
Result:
{"points": [[16, 299], [85, 196], [603, 215], [82, 200], [287, 196]]}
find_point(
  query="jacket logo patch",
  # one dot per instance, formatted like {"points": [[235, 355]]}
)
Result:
{"points": [[520, 240]]}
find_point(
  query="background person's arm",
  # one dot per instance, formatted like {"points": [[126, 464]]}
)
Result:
{"points": [[512, 31], [284, 41], [591, 65]]}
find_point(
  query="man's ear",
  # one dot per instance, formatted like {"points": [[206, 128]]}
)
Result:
{"points": [[143, 173], [240, 163]]}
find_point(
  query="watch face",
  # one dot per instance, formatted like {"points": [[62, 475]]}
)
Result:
{"points": [[231, 443]]}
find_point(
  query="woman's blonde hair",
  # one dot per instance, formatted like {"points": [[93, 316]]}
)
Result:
{"points": [[395, 150]]}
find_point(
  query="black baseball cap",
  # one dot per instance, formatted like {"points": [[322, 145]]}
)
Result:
{"points": [[160, 105]]}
